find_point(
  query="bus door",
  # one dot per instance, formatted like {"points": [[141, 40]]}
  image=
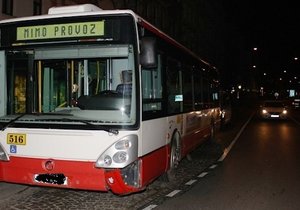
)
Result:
{"points": [[19, 73]]}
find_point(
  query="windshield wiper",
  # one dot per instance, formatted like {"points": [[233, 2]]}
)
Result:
{"points": [[12, 121], [22, 115], [109, 130]]}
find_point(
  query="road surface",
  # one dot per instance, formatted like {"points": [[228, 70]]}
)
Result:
{"points": [[261, 171]]}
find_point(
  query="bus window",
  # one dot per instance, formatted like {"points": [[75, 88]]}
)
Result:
{"points": [[206, 97], [198, 89], [91, 77], [174, 87], [3, 85], [152, 88], [187, 90], [54, 84], [215, 98]]}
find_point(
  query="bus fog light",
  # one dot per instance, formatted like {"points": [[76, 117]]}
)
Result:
{"points": [[107, 160], [120, 157]]}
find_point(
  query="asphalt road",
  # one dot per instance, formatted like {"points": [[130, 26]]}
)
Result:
{"points": [[261, 171]]}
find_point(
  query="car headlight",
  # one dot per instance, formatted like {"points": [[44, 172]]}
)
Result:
{"points": [[119, 154], [264, 111], [284, 111]]}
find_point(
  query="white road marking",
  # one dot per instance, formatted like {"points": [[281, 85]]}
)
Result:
{"points": [[152, 206], [174, 192], [227, 150], [213, 166], [203, 174], [191, 182]]}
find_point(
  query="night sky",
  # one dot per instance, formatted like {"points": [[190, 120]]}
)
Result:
{"points": [[272, 27]]}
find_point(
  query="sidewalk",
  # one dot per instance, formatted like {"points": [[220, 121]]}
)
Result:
{"points": [[8, 190]]}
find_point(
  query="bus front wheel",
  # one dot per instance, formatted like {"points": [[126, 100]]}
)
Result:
{"points": [[174, 159]]}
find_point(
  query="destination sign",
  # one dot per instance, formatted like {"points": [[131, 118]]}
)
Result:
{"points": [[53, 31]]}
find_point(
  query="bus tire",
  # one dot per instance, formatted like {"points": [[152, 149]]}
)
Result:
{"points": [[174, 159]]}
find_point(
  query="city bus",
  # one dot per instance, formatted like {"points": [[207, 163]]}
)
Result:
{"points": [[99, 100]]}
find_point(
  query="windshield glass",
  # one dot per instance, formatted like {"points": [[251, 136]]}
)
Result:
{"points": [[85, 83]]}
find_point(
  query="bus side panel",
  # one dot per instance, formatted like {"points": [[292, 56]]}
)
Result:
{"points": [[154, 164], [193, 140], [197, 126], [154, 135], [80, 175], [154, 148], [1, 171]]}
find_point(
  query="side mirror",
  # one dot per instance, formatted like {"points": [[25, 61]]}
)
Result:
{"points": [[148, 56]]}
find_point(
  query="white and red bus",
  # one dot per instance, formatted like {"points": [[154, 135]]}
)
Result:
{"points": [[99, 100]]}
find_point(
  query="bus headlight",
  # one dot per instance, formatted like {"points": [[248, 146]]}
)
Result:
{"points": [[3, 154], [120, 154]]}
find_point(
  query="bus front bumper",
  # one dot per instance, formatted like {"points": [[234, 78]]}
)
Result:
{"points": [[64, 174]]}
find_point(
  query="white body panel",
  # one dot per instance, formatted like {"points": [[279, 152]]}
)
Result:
{"points": [[157, 133], [62, 144]]}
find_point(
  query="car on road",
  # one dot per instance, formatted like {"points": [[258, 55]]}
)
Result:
{"points": [[273, 110]]}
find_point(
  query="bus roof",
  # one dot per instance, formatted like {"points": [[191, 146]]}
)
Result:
{"points": [[71, 11], [163, 35], [92, 10]]}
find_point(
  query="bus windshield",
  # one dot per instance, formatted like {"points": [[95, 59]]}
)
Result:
{"points": [[86, 83]]}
